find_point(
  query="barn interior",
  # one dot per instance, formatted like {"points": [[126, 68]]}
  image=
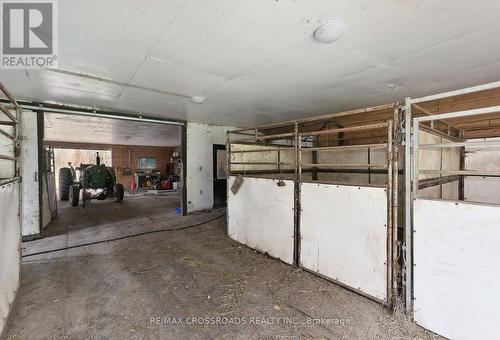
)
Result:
{"points": [[260, 169]]}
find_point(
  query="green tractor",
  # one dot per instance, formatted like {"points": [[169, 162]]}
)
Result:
{"points": [[94, 181]]}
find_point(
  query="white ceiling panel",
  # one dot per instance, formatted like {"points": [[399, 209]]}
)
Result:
{"points": [[336, 10], [77, 90], [341, 92], [256, 60], [167, 76], [156, 104], [230, 37], [45, 85], [392, 29], [111, 38], [480, 75], [280, 76], [84, 129], [436, 65], [226, 109]]}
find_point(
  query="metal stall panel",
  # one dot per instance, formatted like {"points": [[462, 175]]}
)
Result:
{"points": [[10, 243], [344, 235], [457, 273], [261, 216]]}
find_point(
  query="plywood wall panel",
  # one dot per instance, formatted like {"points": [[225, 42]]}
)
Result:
{"points": [[344, 235], [456, 273], [261, 216]]}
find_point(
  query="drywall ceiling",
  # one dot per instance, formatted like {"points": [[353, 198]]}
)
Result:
{"points": [[256, 60], [83, 129]]}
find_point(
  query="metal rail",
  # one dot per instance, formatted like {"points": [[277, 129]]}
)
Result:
{"points": [[459, 114], [347, 129], [412, 169], [6, 181], [345, 166], [455, 93], [296, 142], [9, 96], [431, 182], [9, 158], [462, 173], [480, 145], [263, 150], [345, 147], [278, 135], [8, 135], [408, 228], [345, 183], [390, 231], [6, 112], [261, 163], [438, 133], [13, 122], [421, 109]]}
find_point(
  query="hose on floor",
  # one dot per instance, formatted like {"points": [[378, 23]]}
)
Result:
{"points": [[124, 237]]}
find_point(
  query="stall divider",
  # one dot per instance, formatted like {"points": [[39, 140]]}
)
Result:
{"points": [[293, 143]]}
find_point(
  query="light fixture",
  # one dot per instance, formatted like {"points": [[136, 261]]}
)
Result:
{"points": [[329, 32], [197, 99]]}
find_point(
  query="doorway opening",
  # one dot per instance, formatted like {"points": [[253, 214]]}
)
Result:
{"points": [[220, 175], [109, 173]]}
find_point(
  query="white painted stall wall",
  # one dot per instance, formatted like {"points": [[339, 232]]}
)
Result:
{"points": [[438, 159], [199, 187], [479, 189], [457, 272], [482, 189], [30, 221], [287, 155], [344, 235], [376, 156], [343, 157], [450, 161], [260, 215], [10, 243]]}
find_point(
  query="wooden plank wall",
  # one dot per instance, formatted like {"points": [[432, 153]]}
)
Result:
{"points": [[120, 159], [352, 138], [476, 127], [120, 156]]}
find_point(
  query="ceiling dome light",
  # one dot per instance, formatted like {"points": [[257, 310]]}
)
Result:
{"points": [[197, 99], [329, 32]]}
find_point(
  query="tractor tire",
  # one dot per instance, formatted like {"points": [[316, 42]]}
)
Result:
{"points": [[111, 189], [74, 195], [120, 191], [65, 182]]}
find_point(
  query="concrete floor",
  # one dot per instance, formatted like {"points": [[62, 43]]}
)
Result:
{"points": [[191, 283]]}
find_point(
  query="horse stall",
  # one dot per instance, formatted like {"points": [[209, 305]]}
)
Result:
{"points": [[261, 192], [453, 228], [322, 193]]}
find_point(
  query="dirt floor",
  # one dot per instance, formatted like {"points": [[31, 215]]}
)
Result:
{"points": [[193, 283]]}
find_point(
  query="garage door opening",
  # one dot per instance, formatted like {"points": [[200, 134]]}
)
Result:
{"points": [[107, 173]]}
